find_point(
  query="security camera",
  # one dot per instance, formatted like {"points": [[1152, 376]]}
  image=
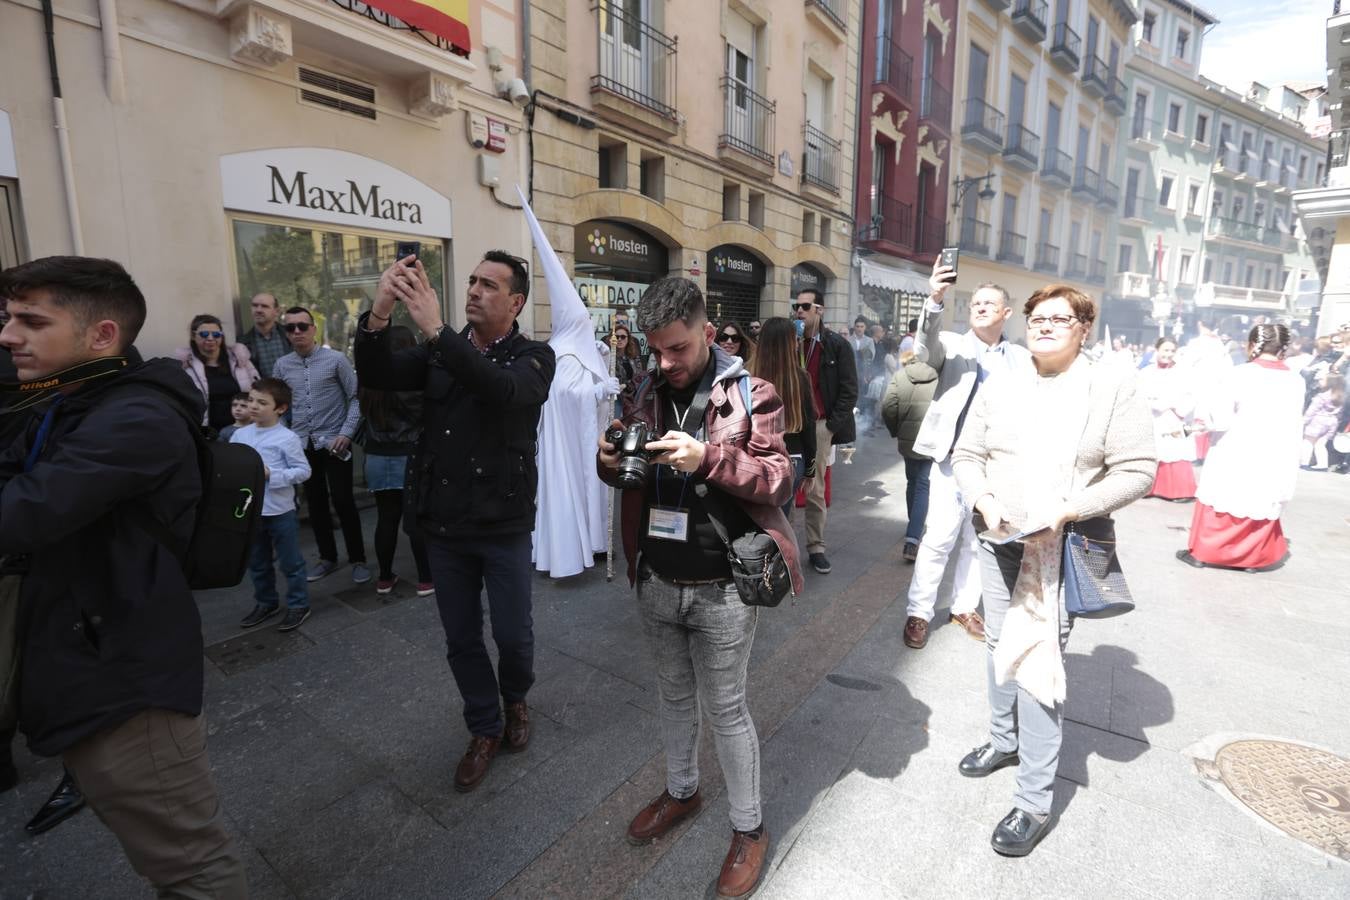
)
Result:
{"points": [[518, 92]]}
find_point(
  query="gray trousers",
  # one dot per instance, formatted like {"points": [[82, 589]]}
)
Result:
{"points": [[700, 636], [1017, 720]]}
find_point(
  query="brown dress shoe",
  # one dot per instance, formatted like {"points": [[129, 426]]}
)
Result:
{"points": [[744, 864], [916, 632], [971, 622], [517, 733], [473, 768], [661, 815]]}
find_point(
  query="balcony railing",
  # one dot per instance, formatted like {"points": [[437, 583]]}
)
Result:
{"points": [[1077, 266], [1135, 285], [975, 236], [1136, 208], [932, 231], [892, 221], [1029, 17], [1086, 181], [1109, 196], [1065, 47], [1023, 147], [837, 10], [1233, 230], [820, 159], [748, 123], [935, 104], [1012, 247], [1057, 168], [1047, 258], [636, 61], [1097, 271], [1145, 132], [1269, 172], [894, 67], [1209, 294], [983, 124], [1116, 101], [1096, 77], [1226, 161]]}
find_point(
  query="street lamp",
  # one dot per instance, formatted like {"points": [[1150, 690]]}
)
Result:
{"points": [[963, 185]]}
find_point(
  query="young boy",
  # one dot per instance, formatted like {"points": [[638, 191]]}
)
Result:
{"points": [[242, 413], [279, 529]]}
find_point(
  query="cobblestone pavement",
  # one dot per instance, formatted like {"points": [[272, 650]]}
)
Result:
{"points": [[334, 748]]}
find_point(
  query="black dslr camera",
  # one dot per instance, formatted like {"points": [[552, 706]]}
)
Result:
{"points": [[634, 460]]}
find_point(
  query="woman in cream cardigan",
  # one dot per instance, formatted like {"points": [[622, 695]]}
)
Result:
{"points": [[1070, 441]]}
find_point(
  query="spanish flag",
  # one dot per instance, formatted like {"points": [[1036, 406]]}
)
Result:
{"points": [[448, 19]]}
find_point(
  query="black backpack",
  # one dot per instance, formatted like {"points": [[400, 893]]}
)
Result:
{"points": [[232, 501]]}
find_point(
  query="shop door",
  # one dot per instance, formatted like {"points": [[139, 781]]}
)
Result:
{"points": [[731, 302]]}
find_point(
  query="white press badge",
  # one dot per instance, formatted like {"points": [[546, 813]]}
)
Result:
{"points": [[668, 524]]}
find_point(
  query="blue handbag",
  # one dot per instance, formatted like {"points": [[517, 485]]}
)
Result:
{"points": [[1094, 585]]}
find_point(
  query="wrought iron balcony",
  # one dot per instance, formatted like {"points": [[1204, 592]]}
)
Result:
{"points": [[1056, 168], [1096, 77], [1116, 101], [1097, 271], [1226, 162], [1086, 182], [1221, 228], [1029, 17], [982, 125], [1077, 266], [935, 104], [835, 10], [1047, 258], [1012, 247], [636, 62], [892, 222], [820, 159], [748, 121], [975, 237], [1023, 148], [1109, 196], [1135, 208], [894, 68], [1065, 47], [1145, 134]]}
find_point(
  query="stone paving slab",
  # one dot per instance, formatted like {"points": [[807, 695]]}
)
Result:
{"points": [[334, 761]]}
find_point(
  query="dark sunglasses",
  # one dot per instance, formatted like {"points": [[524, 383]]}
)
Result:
{"points": [[210, 335], [293, 327], [736, 338], [801, 306]]}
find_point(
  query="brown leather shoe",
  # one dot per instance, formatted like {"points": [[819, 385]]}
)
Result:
{"points": [[661, 815], [517, 734], [971, 622], [744, 864], [916, 633], [473, 768]]}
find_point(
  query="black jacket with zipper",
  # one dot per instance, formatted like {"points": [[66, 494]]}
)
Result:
{"points": [[109, 625], [474, 472], [838, 386]]}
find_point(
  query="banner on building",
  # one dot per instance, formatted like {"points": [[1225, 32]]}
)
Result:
{"points": [[447, 19]]}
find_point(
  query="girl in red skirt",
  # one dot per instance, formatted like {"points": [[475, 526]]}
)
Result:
{"points": [[1250, 474], [1169, 394]]}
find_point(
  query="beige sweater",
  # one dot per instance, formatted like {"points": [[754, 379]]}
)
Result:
{"points": [[1115, 462]]}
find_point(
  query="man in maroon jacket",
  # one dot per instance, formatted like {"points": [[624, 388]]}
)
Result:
{"points": [[699, 630]]}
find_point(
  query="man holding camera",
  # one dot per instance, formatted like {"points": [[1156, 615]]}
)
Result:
{"points": [[692, 451], [112, 644], [472, 480]]}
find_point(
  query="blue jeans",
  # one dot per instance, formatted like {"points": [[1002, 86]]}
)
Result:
{"points": [[916, 497], [282, 533], [461, 568], [701, 637]]}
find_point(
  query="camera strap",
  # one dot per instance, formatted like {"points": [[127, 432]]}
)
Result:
{"points": [[40, 389]]}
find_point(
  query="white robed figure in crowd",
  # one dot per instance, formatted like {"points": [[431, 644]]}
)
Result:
{"points": [[571, 521]]}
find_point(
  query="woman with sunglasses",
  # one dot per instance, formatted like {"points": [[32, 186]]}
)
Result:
{"points": [[629, 363], [777, 361], [219, 370], [733, 339]]}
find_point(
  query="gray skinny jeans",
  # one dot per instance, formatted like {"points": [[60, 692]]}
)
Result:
{"points": [[700, 636], [1017, 720]]}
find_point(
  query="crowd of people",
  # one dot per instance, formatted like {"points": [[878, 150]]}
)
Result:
{"points": [[1007, 448]]}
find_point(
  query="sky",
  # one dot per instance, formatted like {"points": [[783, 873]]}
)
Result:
{"points": [[1270, 41]]}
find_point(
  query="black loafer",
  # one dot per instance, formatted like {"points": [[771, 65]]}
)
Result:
{"points": [[1185, 556], [1019, 833], [64, 802], [983, 760]]}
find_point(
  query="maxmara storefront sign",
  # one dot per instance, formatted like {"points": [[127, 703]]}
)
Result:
{"points": [[332, 186]]}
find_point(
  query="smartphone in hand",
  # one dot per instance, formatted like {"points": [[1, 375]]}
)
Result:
{"points": [[949, 257], [1007, 533], [404, 249]]}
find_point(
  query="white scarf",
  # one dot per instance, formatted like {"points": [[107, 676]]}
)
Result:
{"points": [[1054, 413]]}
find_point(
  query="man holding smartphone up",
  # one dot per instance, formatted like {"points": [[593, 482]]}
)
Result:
{"points": [[963, 362]]}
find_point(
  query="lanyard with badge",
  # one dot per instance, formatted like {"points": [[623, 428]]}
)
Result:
{"points": [[671, 523]]}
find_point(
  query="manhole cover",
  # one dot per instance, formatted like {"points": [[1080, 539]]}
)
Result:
{"points": [[256, 648], [1303, 791]]}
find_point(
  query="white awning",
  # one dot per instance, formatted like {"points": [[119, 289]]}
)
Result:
{"points": [[892, 279]]}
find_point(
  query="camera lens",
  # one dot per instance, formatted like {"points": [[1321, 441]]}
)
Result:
{"points": [[633, 472]]}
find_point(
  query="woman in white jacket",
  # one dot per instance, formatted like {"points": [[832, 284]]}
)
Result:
{"points": [[218, 370], [1169, 392]]}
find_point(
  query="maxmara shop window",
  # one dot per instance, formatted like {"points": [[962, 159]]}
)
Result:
{"points": [[316, 227]]}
